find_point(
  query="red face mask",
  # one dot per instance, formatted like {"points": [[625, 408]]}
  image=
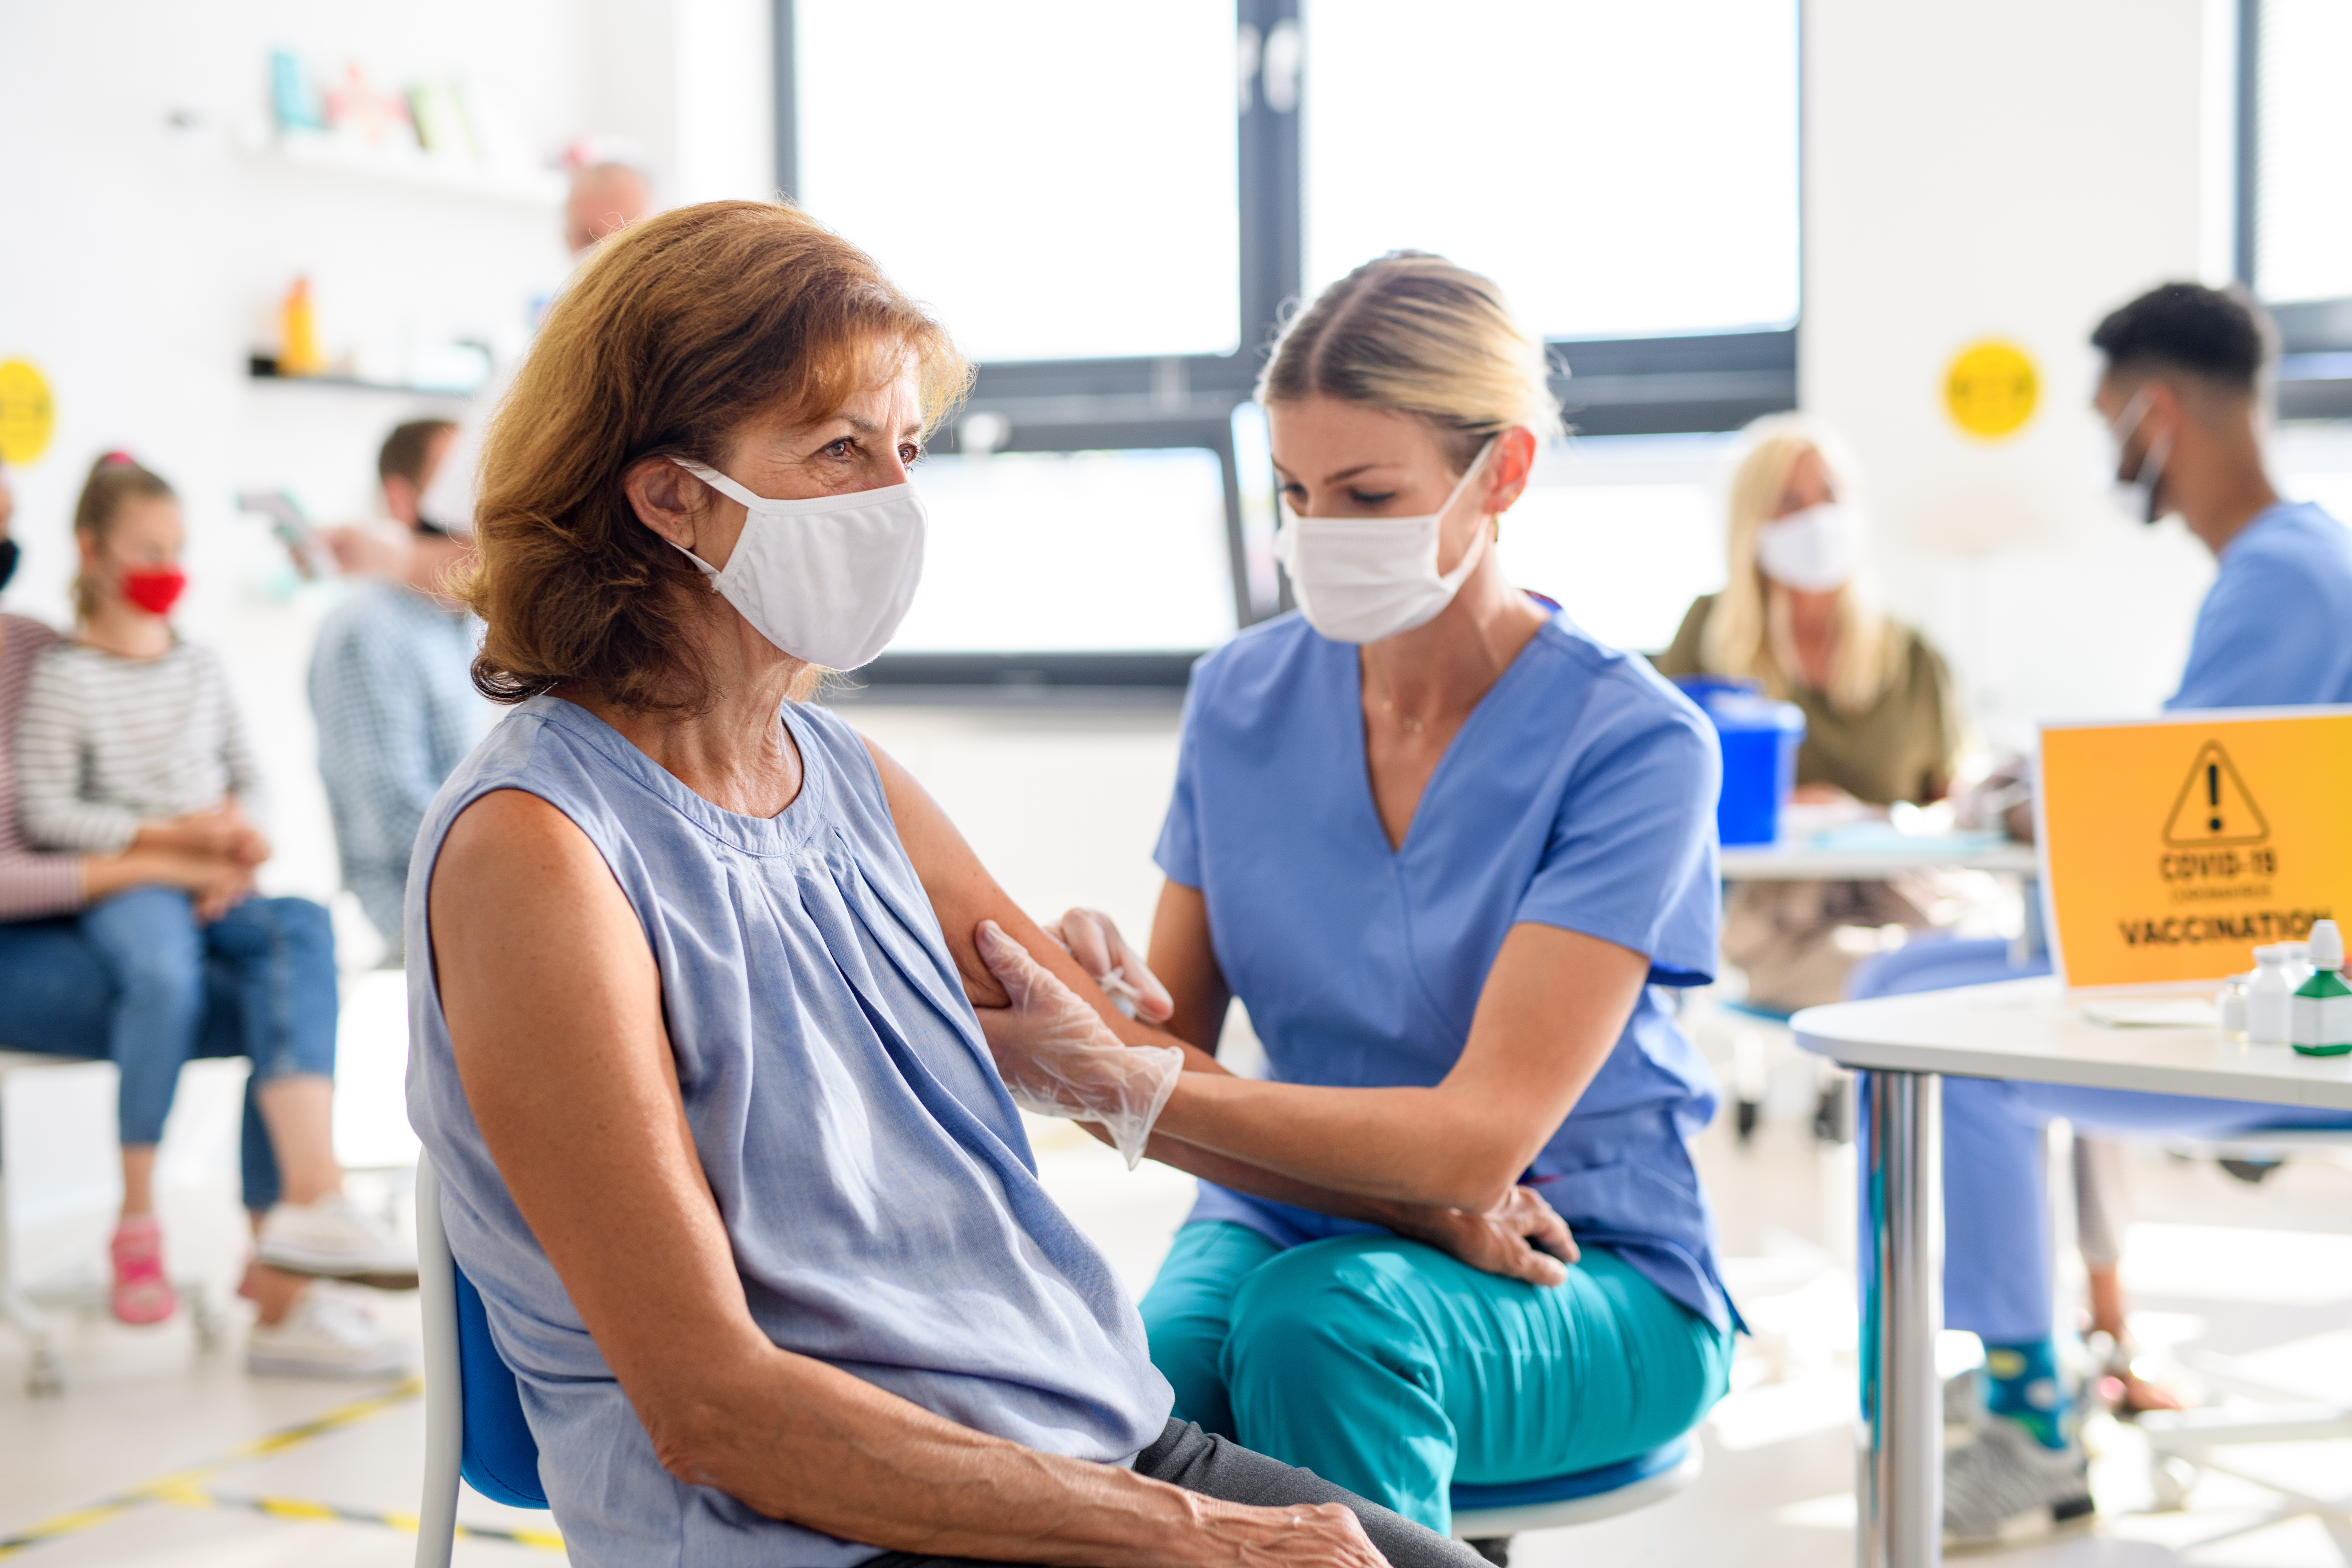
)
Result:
{"points": [[156, 591]]}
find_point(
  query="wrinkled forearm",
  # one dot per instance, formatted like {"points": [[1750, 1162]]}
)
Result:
{"points": [[798, 1440]]}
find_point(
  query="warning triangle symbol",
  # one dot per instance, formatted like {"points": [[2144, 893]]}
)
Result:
{"points": [[2215, 807]]}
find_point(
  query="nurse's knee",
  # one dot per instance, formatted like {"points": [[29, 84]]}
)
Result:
{"points": [[1316, 1310], [1186, 1339]]}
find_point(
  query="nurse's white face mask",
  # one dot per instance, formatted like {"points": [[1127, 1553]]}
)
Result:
{"points": [[827, 579], [1816, 551], [1360, 579]]}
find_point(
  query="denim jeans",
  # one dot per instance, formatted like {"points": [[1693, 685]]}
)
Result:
{"points": [[134, 979]]}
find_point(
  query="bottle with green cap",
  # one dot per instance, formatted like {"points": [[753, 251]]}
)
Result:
{"points": [[2321, 1024]]}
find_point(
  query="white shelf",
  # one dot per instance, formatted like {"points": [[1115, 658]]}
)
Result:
{"points": [[425, 171]]}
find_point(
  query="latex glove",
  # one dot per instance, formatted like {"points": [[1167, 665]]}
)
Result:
{"points": [[1059, 1058], [1092, 937]]}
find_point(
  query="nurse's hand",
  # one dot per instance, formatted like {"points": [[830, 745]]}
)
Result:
{"points": [[1092, 937], [1520, 1237], [1059, 1058]]}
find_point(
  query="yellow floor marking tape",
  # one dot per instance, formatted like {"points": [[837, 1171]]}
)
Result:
{"points": [[182, 1486], [304, 1509]]}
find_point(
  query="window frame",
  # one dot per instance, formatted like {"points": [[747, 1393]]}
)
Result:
{"points": [[2314, 375], [1636, 385]]}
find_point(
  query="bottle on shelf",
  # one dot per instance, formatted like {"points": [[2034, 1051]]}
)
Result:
{"points": [[2321, 1024], [297, 332]]}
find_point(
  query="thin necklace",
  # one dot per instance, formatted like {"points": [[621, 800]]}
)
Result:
{"points": [[1412, 726]]}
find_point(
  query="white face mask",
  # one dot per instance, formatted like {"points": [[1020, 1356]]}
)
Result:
{"points": [[2135, 497], [1816, 551], [827, 579], [1360, 579]]}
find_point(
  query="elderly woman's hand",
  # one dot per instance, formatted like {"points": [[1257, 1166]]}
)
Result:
{"points": [[1057, 1057]]}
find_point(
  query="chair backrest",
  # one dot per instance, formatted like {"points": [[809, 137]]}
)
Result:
{"points": [[1939, 965], [498, 1457]]}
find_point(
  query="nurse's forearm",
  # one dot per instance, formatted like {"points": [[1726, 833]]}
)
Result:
{"points": [[1257, 1180], [1404, 1146]]}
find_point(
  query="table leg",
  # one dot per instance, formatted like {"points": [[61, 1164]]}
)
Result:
{"points": [[1899, 1487]]}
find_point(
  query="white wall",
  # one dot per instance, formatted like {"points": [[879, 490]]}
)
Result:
{"points": [[692, 81], [2013, 169], [140, 263]]}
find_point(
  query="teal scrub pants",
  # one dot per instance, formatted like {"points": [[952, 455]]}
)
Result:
{"points": [[1394, 1370]]}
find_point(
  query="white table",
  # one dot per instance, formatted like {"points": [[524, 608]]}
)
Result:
{"points": [[1802, 860], [2021, 1029]]}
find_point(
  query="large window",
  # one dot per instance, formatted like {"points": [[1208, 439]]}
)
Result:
{"points": [[1112, 205], [2294, 193], [1620, 169], [2303, 182], [1072, 553], [1055, 177], [1623, 530]]}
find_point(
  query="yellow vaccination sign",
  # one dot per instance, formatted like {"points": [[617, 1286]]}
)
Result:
{"points": [[2172, 848]]}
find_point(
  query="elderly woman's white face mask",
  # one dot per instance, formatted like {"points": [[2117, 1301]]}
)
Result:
{"points": [[827, 579]]}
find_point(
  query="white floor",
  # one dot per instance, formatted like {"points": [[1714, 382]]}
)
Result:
{"points": [[157, 1454]]}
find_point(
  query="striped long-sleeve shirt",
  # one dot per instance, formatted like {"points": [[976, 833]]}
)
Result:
{"points": [[32, 884], [105, 743]]}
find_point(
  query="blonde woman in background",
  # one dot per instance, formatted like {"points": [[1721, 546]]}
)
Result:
{"points": [[1797, 614]]}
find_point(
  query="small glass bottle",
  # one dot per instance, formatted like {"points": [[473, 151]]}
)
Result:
{"points": [[2230, 1002], [2270, 998]]}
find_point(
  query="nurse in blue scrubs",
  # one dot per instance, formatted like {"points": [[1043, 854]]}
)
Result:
{"points": [[1448, 849]]}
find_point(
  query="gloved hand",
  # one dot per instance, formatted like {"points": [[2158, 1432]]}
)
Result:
{"points": [[1059, 1058], [1092, 937]]}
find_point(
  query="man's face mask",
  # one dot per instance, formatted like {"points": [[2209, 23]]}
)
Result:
{"points": [[2136, 496]]}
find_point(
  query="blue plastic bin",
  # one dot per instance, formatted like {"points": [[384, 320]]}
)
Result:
{"points": [[1759, 738]]}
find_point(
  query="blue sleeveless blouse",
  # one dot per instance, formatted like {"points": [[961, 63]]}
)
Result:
{"points": [[877, 1187]]}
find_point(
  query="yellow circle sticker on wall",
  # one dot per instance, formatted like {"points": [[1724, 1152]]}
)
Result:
{"points": [[1991, 388], [26, 413]]}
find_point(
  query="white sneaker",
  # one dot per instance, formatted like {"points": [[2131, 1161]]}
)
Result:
{"points": [[328, 1332], [337, 1239], [2002, 1488]]}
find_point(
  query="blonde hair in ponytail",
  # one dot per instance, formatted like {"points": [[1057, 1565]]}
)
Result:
{"points": [[1413, 333], [114, 479], [1748, 631]]}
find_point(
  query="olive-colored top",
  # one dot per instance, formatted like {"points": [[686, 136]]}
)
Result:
{"points": [[1904, 748]]}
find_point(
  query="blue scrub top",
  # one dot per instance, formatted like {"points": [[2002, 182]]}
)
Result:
{"points": [[2273, 631], [1579, 793]]}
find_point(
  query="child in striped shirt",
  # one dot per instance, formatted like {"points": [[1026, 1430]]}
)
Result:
{"points": [[129, 736]]}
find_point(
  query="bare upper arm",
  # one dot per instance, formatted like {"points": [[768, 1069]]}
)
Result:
{"points": [[964, 894], [553, 1004]]}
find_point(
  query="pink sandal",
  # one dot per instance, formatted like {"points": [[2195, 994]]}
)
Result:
{"points": [[141, 1294]]}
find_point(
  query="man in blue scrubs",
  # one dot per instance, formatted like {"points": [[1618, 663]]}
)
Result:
{"points": [[2180, 394]]}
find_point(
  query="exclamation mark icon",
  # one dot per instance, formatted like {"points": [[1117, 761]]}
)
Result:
{"points": [[2213, 795]]}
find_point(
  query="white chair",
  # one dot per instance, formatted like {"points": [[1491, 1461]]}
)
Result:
{"points": [[28, 1307], [474, 1426], [1484, 1512], [2183, 1444]]}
